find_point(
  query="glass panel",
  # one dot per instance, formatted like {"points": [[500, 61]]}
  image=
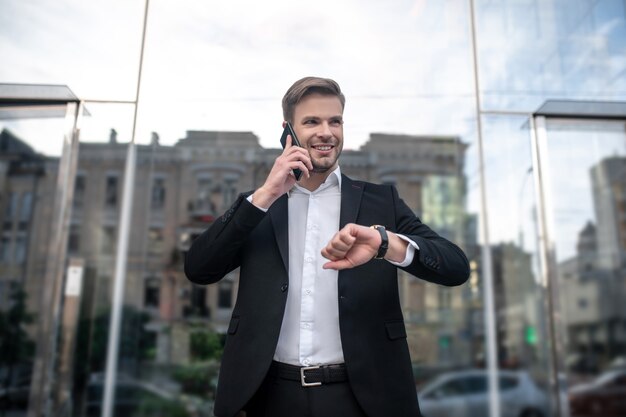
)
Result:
{"points": [[522, 338], [93, 49], [587, 179], [28, 179], [533, 50]]}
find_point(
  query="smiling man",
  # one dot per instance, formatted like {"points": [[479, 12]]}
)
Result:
{"points": [[317, 329]]}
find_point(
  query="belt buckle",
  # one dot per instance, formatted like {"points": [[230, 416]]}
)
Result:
{"points": [[303, 377]]}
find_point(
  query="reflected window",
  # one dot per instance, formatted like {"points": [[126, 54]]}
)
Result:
{"points": [[79, 191], [25, 211], [225, 295], [11, 207], [155, 240], [198, 306], [157, 201], [107, 242], [10, 210], [445, 298], [73, 240], [152, 292], [476, 385], [110, 194], [20, 249], [26, 207], [5, 249], [507, 383], [205, 202], [229, 192], [452, 388]]}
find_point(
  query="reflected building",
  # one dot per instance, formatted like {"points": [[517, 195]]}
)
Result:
{"points": [[27, 187], [594, 280], [517, 308], [180, 190]]}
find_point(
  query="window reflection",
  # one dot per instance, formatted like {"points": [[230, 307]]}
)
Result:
{"points": [[111, 192]]}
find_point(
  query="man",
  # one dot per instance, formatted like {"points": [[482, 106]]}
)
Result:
{"points": [[317, 329]]}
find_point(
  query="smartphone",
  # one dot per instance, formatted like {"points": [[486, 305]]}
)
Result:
{"points": [[294, 141]]}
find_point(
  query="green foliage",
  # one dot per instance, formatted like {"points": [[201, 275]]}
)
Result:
{"points": [[136, 343], [198, 379], [160, 407], [15, 345], [205, 345]]}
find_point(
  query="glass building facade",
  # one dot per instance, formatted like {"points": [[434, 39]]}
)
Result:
{"points": [[502, 124]]}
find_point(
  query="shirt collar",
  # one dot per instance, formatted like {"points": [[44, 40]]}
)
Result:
{"points": [[333, 179]]}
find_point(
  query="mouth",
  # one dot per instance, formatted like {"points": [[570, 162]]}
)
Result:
{"points": [[323, 147]]}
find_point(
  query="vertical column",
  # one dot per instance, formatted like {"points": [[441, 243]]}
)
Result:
{"points": [[69, 326], [52, 285], [539, 148]]}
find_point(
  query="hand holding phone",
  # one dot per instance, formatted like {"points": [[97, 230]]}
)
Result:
{"points": [[294, 142]]}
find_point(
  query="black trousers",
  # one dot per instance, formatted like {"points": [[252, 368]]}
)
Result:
{"points": [[279, 397]]}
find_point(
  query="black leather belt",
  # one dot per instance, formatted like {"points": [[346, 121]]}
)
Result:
{"points": [[310, 376]]}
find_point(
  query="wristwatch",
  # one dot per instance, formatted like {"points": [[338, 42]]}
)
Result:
{"points": [[384, 244]]}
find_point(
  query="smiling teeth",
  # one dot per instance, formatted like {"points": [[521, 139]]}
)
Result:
{"points": [[323, 148]]}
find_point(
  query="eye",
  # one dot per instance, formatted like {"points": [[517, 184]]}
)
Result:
{"points": [[336, 122]]}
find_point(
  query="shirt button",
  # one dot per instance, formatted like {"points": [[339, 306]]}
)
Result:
{"points": [[306, 362], [308, 292], [309, 259]]}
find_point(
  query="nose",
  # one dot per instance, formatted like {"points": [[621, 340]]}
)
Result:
{"points": [[324, 130]]}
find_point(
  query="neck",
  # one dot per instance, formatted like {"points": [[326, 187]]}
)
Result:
{"points": [[315, 180]]}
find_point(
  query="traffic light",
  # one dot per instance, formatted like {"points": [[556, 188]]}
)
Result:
{"points": [[531, 335]]}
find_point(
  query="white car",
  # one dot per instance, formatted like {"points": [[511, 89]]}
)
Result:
{"points": [[466, 394]]}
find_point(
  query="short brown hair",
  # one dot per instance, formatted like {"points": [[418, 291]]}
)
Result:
{"points": [[306, 86]]}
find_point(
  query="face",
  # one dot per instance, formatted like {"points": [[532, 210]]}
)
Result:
{"points": [[318, 122]]}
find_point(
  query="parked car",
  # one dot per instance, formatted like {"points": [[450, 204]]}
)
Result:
{"points": [[466, 394], [605, 396]]}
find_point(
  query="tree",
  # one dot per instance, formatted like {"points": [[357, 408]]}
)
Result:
{"points": [[16, 347]]}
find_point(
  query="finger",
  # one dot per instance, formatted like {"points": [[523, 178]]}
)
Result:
{"points": [[338, 265], [300, 153], [341, 242], [333, 254], [326, 254]]}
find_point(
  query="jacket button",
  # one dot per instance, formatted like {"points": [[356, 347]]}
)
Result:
{"points": [[284, 287]]}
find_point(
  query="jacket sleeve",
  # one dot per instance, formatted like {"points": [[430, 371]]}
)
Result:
{"points": [[438, 260], [216, 251]]}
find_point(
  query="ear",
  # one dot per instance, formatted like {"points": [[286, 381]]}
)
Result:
{"points": [[284, 123]]}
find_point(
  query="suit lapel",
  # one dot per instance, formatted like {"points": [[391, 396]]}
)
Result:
{"points": [[351, 192], [279, 216]]}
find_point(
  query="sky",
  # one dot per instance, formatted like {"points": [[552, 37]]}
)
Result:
{"points": [[404, 68]]}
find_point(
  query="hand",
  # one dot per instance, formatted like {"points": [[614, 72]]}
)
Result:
{"points": [[281, 178], [352, 246]]}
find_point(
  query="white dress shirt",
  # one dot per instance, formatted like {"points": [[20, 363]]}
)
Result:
{"points": [[310, 329]]}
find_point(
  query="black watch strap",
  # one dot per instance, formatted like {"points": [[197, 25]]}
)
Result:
{"points": [[384, 244]]}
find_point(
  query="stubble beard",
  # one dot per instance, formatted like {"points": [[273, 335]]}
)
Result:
{"points": [[323, 165]]}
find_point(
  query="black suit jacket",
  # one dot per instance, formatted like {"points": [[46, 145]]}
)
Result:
{"points": [[373, 334]]}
